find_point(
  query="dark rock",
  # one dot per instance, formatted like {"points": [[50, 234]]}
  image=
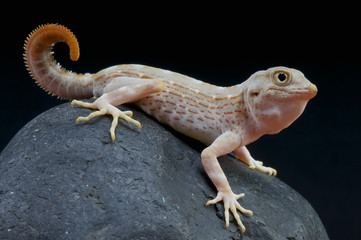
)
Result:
{"points": [[62, 180]]}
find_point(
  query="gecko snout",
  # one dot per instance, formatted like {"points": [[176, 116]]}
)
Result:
{"points": [[312, 90]]}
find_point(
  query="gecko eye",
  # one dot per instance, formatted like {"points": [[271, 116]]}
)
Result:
{"points": [[281, 78]]}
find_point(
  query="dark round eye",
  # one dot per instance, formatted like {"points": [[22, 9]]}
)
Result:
{"points": [[281, 78]]}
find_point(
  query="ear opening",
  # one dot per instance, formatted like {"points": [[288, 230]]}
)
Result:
{"points": [[254, 93]]}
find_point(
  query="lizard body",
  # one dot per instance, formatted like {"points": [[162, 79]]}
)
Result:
{"points": [[227, 118]]}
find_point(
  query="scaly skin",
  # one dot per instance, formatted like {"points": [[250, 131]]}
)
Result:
{"points": [[227, 118]]}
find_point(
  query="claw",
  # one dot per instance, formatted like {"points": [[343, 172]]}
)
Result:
{"points": [[236, 216], [239, 196], [90, 116], [84, 104], [112, 128], [128, 113], [215, 200], [226, 215]]}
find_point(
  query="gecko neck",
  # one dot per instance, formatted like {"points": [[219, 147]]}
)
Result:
{"points": [[251, 128]]}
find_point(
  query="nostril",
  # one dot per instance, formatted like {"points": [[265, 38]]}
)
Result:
{"points": [[313, 89]]}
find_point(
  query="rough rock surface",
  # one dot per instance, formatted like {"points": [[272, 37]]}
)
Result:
{"points": [[62, 180]]}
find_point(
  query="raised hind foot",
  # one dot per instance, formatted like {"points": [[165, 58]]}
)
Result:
{"points": [[103, 109]]}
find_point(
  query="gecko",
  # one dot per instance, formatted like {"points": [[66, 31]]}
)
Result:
{"points": [[227, 119]]}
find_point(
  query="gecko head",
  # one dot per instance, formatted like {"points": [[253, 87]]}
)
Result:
{"points": [[277, 97]]}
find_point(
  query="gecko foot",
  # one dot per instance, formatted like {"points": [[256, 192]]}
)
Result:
{"points": [[259, 166], [230, 202], [103, 109]]}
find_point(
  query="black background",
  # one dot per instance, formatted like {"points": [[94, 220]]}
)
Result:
{"points": [[223, 44]]}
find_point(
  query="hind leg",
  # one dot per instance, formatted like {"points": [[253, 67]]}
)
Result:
{"points": [[116, 93]]}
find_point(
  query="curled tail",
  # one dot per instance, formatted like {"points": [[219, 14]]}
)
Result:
{"points": [[47, 73]]}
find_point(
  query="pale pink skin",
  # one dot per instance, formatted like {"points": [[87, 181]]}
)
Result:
{"points": [[227, 118]]}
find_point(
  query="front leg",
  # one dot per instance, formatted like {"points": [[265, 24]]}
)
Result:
{"points": [[244, 155], [224, 144]]}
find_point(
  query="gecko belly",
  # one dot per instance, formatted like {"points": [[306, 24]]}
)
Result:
{"points": [[181, 116]]}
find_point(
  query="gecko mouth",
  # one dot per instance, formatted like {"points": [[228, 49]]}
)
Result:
{"points": [[305, 93]]}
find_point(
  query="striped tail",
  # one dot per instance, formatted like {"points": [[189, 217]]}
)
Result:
{"points": [[48, 74]]}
